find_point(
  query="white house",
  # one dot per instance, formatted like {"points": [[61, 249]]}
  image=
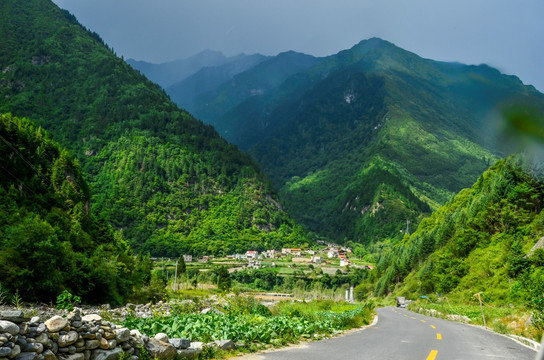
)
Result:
{"points": [[317, 259], [252, 254], [344, 262]]}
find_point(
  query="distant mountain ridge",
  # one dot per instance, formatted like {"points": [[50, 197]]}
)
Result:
{"points": [[208, 78], [169, 73], [210, 106], [362, 141]]}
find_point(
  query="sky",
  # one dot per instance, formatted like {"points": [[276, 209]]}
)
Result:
{"points": [[506, 34]]}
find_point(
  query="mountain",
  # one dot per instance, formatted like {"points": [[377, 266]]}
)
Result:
{"points": [[168, 73], [50, 239], [167, 182], [209, 78], [251, 84], [488, 238], [374, 136]]}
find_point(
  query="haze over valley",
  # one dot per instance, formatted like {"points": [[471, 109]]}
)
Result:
{"points": [[264, 197]]}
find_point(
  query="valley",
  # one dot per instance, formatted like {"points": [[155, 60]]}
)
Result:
{"points": [[338, 181]]}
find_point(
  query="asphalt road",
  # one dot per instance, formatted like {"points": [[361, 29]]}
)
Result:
{"points": [[401, 334]]}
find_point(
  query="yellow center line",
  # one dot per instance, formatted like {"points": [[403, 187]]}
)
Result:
{"points": [[432, 355], [423, 321], [434, 327], [411, 317], [439, 336]]}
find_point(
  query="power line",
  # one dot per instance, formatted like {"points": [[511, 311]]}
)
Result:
{"points": [[19, 180], [26, 160]]}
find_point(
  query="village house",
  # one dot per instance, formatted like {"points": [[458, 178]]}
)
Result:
{"points": [[296, 252], [254, 264], [188, 258], [332, 253], [286, 251], [345, 262], [317, 259], [252, 254], [270, 254]]}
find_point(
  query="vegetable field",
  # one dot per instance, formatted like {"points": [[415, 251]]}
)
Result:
{"points": [[253, 328]]}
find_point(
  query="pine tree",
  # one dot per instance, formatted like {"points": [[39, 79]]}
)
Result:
{"points": [[223, 279]]}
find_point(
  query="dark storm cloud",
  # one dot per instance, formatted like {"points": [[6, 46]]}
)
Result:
{"points": [[503, 33]]}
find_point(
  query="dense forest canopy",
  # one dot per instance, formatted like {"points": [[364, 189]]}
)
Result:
{"points": [[50, 239], [168, 182], [482, 240]]}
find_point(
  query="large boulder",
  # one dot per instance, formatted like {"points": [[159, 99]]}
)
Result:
{"points": [[113, 354], [56, 323], [92, 344], [28, 356], [161, 350], [188, 353], [15, 316], [5, 351], [138, 337], [49, 355], [42, 339], [225, 344], [68, 339], [180, 343], [196, 345], [122, 335], [33, 347], [7, 327], [15, 351], [162, 337], [76, 356], [92, 318]]}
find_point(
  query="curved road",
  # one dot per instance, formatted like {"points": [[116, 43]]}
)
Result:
{"points": [[401, 334]]}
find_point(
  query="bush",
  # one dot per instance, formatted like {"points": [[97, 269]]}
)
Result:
{"points": [[66, 300]]}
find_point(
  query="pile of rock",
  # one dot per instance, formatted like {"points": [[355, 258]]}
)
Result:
{"points": [[71, 338], [88, 337], [162, 347]]}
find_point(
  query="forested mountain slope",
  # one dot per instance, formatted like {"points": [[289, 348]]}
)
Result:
{"points": [[168, 182], [248, 86], [50, 240], [375, 135], [482, 240]]}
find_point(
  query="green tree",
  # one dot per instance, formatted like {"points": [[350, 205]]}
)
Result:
{"points": [[223, 278], [182, 268]]}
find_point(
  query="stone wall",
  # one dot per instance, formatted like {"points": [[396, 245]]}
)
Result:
{"points": [[78, 337]]}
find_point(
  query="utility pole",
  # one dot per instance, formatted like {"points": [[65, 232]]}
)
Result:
{"points": [[479, 296], [408, 227]]}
